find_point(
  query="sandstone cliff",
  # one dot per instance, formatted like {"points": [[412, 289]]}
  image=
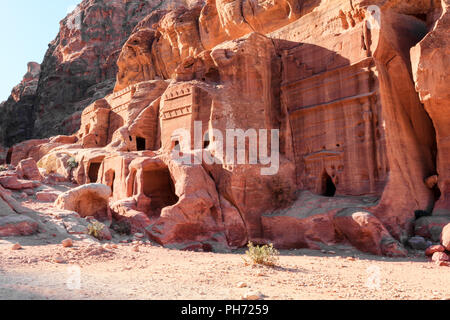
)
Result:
{"points": [[78, 68], [349, 86]]}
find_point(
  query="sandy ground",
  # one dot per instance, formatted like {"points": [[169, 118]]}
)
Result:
{"points": [[43, 269], [155, 273]]}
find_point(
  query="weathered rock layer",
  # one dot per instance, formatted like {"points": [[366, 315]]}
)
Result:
{"points": [[350, 95]]}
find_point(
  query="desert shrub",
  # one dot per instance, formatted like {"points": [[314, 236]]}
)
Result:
{"points": [[265, 255], [72, 163], [122, 227], [95, 229], [3, 168]]}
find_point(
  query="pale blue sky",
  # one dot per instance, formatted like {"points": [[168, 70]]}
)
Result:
{"points": [[26, 28]]}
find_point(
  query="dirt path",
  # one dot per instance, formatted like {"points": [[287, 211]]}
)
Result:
{"points": [[156, 273]]}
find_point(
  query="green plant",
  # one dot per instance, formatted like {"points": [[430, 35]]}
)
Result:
{"points": [[95, 229], [265, 255], [3, 167], [72, 163]]}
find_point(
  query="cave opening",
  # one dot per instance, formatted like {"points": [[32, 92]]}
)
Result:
{"points": [[421, 16], [140, 144], [94, 169], [328, 186], [437, 193], [110, 178], [159, 187], [176, 147]]}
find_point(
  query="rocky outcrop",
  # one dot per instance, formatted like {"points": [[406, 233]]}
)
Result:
{"points": [[29, 83], [17, 113], [367, 233], [297, 123], [87, 200], [15, 220], [78, 68], [430, 64], [27, 169], [15, 225]]}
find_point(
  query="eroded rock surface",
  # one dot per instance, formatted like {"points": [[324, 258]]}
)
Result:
{"points": [[87, 200], [345, 91]]}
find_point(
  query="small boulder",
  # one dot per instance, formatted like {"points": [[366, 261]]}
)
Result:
{"points": [[16, 247], [432, 249], [445, 237], [242, 285], [67, 243], [13, 183], [367, 233], [59, 260], [28, 169], [252, 296], [87, 200], [440, 256], [419, 243]]}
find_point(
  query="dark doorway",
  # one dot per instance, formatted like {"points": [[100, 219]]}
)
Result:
{"points": [[176, 146], [113, 181], [206, 141], [8, 156], [328, 187], [140, 144], [159, 187], [110, 178], [94, 168]]}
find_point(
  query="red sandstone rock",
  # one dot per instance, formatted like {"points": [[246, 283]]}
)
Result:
{"points": [[27, 169], [5, 195], [64, 139], [252, 65], [440, 256], [87, 200], [430, 64], [189, 212], [26, 150], [433, 249], [16, 247], [365, 232], [29, 83], [445, 237], [17, 225], [235, 229], [47, 196], [67, 243], [5, 209], [11, 182], [78, 68]]}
